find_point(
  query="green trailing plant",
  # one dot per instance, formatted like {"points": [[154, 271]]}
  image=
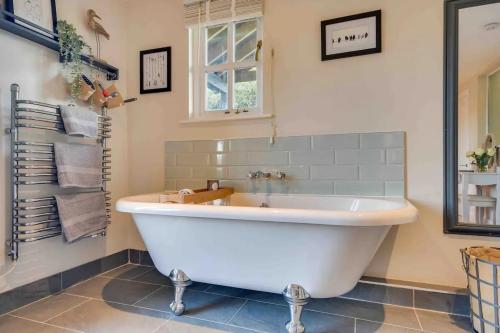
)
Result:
{"points": [[72, 46]]}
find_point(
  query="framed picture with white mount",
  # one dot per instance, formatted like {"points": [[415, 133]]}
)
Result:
{"points": [[351, 36], [39, 16], [156, 70]]}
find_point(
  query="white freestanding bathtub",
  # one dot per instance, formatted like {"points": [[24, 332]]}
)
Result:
{"points": [[321, 243]]}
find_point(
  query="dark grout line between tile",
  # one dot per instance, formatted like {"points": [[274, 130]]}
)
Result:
{"points": [[407, 329], [69, 309], [226, 323], [215, 322], [238, 311], [45, 324], [119, 303], [141, 282], [132, 277], [141, 274], [148, 295], [378, 303], [234, 297], [418, 320], [206, 290], [229, 321], [26, 305]]}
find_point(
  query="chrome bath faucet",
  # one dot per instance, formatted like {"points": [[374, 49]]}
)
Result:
{"points": [[266, 175]]}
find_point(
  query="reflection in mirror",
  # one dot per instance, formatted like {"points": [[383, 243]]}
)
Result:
{"points": [[479, 115]]}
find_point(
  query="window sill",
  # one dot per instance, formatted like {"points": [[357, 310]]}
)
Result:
{"points": [[226, 119]]}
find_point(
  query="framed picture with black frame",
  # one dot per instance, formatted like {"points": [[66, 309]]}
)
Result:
{"points": [[351, 36], [156, 70], [37, 15]]}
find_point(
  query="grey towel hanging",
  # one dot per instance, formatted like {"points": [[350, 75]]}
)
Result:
{"points": [[33, 164]]}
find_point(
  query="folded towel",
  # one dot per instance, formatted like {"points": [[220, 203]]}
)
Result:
{"points": [[79, 122], [81, 214], [78, 165]]}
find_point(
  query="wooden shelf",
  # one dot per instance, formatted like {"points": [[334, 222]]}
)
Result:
{"points": [[198, 197], [112, 73], [27, 33]]}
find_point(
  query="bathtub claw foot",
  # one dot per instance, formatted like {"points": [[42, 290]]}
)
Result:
{"points": [[180, 281], [177, 308], [296, 297]]}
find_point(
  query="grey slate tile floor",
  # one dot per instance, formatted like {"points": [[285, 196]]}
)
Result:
{"points": [[134, 299]]}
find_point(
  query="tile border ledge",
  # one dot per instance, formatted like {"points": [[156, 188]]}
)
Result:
{"points": [[141, 257], [282, 136], [414, 285]]}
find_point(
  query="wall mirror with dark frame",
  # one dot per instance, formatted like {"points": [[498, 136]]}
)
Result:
{"points": [[472, 117]]}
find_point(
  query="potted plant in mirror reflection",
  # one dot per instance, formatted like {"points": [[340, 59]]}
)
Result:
{"points": [[482, 158]]}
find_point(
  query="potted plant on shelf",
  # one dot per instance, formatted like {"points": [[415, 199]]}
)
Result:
{"points": [[71, 48], [482, 158]]}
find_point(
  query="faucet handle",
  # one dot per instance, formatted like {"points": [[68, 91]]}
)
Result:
{"points": [[266, 175], [281, 175], [252, 175]]}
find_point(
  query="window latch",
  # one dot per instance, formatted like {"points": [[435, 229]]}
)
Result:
{"points": [[257, 52]]}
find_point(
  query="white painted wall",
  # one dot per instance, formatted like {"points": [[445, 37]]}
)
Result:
{"points": [[37, 70], [398, 90]]}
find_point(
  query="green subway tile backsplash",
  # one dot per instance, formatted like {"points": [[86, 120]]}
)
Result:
{"points": [[345, 164]]}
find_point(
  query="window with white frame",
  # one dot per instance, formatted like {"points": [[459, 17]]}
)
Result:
{"points": [[226, 67]]}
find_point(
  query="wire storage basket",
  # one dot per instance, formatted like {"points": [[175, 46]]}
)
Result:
{"points": [[482, 266]]}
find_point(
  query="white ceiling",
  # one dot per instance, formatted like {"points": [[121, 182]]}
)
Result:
{"points": [[479, 49]]}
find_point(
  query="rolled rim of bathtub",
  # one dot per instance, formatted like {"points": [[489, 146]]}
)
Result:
{"points": [[402, 213]]}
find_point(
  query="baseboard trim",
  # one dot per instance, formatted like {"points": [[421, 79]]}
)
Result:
{"points": [[382, 291], [31, 292], [375, 290], [414, 285]]}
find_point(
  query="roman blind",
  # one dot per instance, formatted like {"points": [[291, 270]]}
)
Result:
{"points": [[195, 11], [246, 7], [201, 11]]}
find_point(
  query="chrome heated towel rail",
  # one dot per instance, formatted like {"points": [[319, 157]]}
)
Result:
{"points": [[35, 217]]}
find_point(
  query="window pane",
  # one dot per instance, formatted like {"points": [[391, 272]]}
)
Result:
{"points": [[217, 45], [245, 88], [245, 40], [216, 91]]}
